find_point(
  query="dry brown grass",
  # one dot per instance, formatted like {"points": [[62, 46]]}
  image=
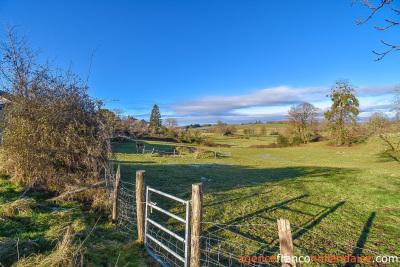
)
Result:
{"points": [[65, 254], [11, 249], [16, 207]]}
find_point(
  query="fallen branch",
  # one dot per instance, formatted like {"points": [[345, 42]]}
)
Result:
{"points": [[68, 194]]}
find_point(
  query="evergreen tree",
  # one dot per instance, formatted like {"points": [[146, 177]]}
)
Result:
{"points": [[155, 117]]}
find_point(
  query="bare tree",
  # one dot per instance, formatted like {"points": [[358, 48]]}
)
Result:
{"points": [[171, 123], [302, 118], [224, 128], [375, 8]]}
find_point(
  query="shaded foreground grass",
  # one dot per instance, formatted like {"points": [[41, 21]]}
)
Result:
{"points": [[330, 195], [32, 234]]}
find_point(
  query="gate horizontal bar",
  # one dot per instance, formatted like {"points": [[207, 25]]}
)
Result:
{"points": [[166, 212], [166, 248], [166, 230], [156, 257], [167, 195]]}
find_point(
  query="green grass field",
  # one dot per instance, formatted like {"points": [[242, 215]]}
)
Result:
{"points": [[234, 141], [348, 195], [335, 198]]}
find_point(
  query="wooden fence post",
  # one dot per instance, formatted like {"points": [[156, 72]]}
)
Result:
{"points": [[140, 204], [197, 206], [116, 194], [286, 243], [144, 148], [174, 153], [215, 154]]}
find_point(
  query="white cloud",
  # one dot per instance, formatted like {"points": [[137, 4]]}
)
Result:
{"points": [[268, 104], [374, 90], [276, 96]]}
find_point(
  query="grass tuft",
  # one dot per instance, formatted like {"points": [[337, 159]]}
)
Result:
{"points": [[65, 254], [17, 207]]}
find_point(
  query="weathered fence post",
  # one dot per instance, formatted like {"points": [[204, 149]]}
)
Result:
{"points": [[140, 204], [144, 148], [215, 154], [286, 243], [106, 176], [197, 206], [174, 153], [116, 194]]}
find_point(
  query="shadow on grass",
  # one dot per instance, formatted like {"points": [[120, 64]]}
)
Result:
{"points": [[363, 238], [226, 182], [130, 147], [389, 155], [216, 178]]}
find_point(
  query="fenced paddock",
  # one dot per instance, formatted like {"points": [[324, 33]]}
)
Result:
{"points": [[183, 151], [167, 235]]}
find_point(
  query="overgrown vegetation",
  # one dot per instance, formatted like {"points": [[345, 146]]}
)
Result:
{"points": [[342, 116], [35, 231], [53, 136]]}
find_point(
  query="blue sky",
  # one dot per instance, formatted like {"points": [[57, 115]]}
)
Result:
{"points": [[203, 61]]}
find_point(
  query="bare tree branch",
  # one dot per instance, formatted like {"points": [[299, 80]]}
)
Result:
{"points": [[391, 23], [370, 6], [383, 54], [90, 66]]}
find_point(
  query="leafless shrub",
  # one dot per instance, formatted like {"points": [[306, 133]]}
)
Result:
{"points": [[53, 134]]}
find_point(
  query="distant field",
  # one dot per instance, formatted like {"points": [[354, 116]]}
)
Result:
{"points": [[349, 195], [243, 141], [239, 142]]}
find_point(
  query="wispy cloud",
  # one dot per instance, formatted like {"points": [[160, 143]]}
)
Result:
{"points": [[277, 96], [374, 90], [267, 104]]}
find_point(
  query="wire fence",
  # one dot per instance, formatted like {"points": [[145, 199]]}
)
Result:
{"points": [[226, 245], [182, 151], [236, 244], [125, 199]]}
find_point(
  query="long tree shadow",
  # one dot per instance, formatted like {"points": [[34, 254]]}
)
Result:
{"points": [[131, 148], [313, 223], [217, 178], [271, 247], [222, 181], [363, 238]]}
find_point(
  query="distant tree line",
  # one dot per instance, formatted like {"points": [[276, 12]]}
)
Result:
{"points": [[340, 123]]}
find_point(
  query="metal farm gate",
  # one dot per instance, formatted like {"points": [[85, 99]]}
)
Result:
{"points": [[166, 246]]}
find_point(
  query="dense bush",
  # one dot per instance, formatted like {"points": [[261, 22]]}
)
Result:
{"points": [[282, 140], [53, 135]]}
